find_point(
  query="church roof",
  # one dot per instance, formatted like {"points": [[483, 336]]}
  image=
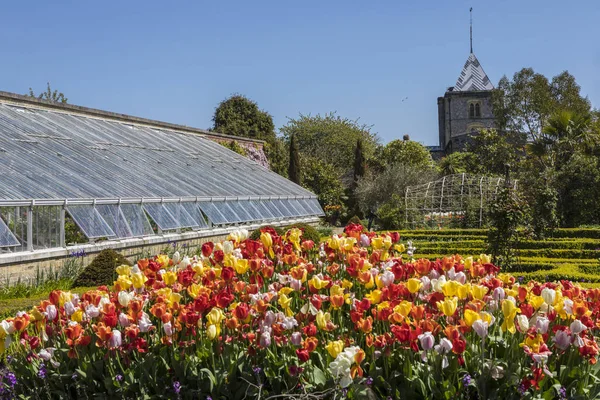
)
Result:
{"points": [[473, 77]]}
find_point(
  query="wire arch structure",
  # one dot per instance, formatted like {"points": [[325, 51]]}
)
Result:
{"points": [[459, 200]]}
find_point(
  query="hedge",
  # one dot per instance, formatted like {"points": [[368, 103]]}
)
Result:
{"points": [[561, 272], [101, 271], [591, 233]]}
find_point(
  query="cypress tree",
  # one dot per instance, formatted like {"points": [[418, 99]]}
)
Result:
{"points": [[294, 167], [359, 161]]}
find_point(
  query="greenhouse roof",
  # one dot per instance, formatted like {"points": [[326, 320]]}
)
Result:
{"points": [[51, 151]]}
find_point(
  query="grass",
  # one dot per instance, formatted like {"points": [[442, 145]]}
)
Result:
{"points": [[10, 306]]}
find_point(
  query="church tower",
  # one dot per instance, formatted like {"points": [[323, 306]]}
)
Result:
{"points": [[466, 107]]}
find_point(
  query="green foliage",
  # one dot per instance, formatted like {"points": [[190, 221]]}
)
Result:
{"points": [[50, 95], [234, 146], [276, 153], [355, 220], [255, 234], [493, 150], [321, 178], [459, 162], [101, 271], [359, 161], [309, 232], [507, 213], [406, 152], [240, 116], [391, 214], [330, 139], [294, 167], [73, 234]]}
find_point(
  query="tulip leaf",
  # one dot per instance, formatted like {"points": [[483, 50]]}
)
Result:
{"points": [[318, 377]]}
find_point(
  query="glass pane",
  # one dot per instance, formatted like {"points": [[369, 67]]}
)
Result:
{"points": [[302, 206], [262, 209], [113, 217], [227, 212], [315, 206], [240, 211], [7, 239], [194, 211], [275, 210], [161, 216], [282, 206], [295, 207], [181, 216], [90, 222], [136, 219], [250, 209], [212, 212]]}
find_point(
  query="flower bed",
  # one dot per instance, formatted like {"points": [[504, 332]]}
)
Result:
{"points": [[351, 317]]}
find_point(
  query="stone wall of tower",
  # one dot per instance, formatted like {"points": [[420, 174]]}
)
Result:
{"points": [[456, 124]]}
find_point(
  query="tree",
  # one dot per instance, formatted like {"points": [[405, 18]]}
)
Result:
{"points": [[331, 139], [50, 95], [493, 150], [359, 161], [459, 162], [406, 152], [294, 167], [321, 179], [240, 116], [526, 103]]}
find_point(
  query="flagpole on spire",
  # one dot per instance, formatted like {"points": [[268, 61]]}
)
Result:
{"points": [[471, 26]]}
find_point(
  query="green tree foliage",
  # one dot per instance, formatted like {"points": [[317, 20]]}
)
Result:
{"points": [[359, 161], [240, 116], [234, 146], [525, 103], [459, 162], [321, 178], [330, 139], [493, 150], [49, 95], [294, 168], [406, 152]]}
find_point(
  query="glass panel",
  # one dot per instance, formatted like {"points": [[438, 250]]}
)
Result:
{"points": [[282, 206], [161, 216], [212, 212], [7, 239], [302, 206], [315, 206], [90, 222], [136, 219], [295, 207], [250, 209], [240, 211], [262, 209], [183, 218], [194, 211], [115, 219], [227, 212], [275, 210]]}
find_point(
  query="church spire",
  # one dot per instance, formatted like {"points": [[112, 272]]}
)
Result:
{"points": [[471, 26]]}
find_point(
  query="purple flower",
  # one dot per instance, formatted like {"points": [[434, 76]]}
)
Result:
{"points": [[208, 398], [257, 370], [520, 279], [466, 380], [176, 387], [521, 389], [369, 381], [119, 377], [42, 371], [74, 376], [562, 393]]}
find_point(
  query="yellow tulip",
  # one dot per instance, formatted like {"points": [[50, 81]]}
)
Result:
{"points": [[334, 242], [241, 266], [470, 317], [403, 308], [334, 348], [77, 316], [163, 260], [215, 316], [293, 236], [377, 242], [138, 279], [400, 248], [536, 301], [479, 291], [212, 331], [336, 290], [123, 270], [194, 290], [266, 239], [284, 301], [198, 268], [387, 242], [450, 288], [169, 278], [64, 297], [533, 343], [285, 290], [124, 282], [323, 319], [485, 259], [36, 315], [346, 284], [468, 262], [462, 291], [374, 296], [318, 283], [348, 243], [509, 309], [448, 306], [413, 285]]}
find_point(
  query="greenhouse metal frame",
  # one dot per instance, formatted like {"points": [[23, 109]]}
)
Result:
{"points": [[448, 199], [116, 175]]}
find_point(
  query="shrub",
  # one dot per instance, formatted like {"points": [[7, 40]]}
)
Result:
{"points": [[308, 232], [101, 271], [255, 234], [325, 230]]}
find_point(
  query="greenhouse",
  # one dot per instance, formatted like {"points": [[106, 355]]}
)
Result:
{"points": [[118, 177]]}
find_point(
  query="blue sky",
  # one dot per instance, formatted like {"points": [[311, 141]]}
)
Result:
{"points": [[174, 61]]}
